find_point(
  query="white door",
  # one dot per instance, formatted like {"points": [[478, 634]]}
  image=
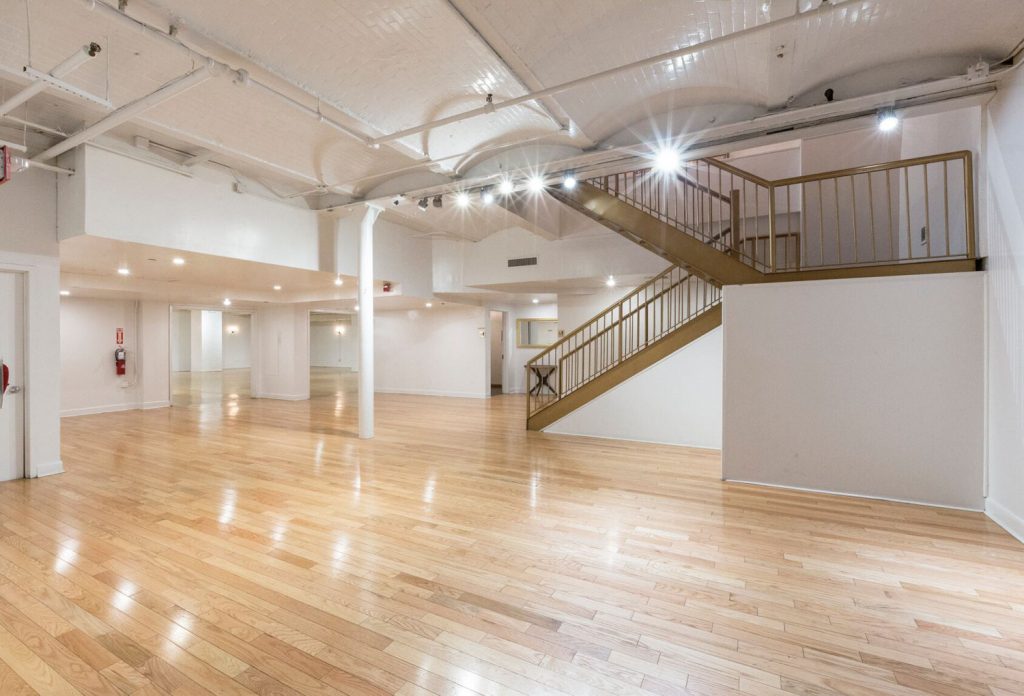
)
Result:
{"points": [[12, 408]]}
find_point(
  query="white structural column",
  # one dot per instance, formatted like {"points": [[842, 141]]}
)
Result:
{"points": [[365, 298]]}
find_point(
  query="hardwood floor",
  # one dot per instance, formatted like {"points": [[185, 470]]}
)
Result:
{"points": [[249, 546], [190, 388]]}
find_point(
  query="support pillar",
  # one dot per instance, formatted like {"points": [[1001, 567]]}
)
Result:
{"points": [[365, 299]]}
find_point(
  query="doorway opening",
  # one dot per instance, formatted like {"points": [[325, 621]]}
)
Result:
{"points": [[497, 351], [211, 355], [334, 356], [12, 355]]}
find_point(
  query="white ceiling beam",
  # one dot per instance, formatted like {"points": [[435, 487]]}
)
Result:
{"points": [[824, 10]]}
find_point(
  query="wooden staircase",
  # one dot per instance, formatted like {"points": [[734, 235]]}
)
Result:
{"points": [[719, 225], [649, 324]]}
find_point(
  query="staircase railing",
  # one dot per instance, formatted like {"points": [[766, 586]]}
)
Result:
{"points": [[906, 211], [641, 318]]}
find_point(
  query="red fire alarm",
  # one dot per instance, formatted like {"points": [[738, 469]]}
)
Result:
{"points": [[386, 287]]}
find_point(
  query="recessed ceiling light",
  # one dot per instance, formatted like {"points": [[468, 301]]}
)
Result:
{"points": [[124, 271], [429, 305], [535, 184], [178, 261], [505, 187], [610, 282], [227, 302], [535, 301], [277, 287], [487, 196], [65, 293], [338, 281], [462, 199], [667, 159], [569, 182]]}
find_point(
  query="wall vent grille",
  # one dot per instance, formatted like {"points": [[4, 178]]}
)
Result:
{"points": [[525, 261]]}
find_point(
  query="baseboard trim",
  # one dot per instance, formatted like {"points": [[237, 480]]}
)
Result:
{"points": [[91, 410], [433, 392], [283, 397], [548, 430], [155, 404], [50, 469], [1005, 518], [863, 496]]}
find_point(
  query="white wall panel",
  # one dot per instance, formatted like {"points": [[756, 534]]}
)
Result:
{"points": [[676, 401], [871, 387]]}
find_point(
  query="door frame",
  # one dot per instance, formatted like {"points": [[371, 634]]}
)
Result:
{"points": [[21, 278]]}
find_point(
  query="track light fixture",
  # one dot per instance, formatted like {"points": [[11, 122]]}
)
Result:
{"points": [[505, 187], [462, 199], [569, 181], [486, 196], [438, 201], [887, 120], [423, 204], [535, 184]]}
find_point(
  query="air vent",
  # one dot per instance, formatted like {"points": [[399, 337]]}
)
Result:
{"points": [[525, 261]]}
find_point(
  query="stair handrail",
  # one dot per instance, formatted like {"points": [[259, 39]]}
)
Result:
{"points": [[535, 360]]}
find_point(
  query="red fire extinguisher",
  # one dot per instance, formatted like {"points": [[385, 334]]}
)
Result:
{"points": [[120, 354]]}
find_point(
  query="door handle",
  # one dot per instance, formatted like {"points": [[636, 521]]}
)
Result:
{"points": [[13, 389]]}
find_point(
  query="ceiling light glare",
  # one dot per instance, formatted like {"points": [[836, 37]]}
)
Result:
{"points": [[227, 302], [535, 184], [487, 196], [667, 160], [277, 287], [887, 120], [65, 293], [428, 305], [505, 187], [339, 282], [178, 261], [536, 301], [462, 199], [569, 182], [610, 282], [123, 271]]}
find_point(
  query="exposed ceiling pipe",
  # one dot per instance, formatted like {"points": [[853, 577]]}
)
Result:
{"points": [[243, 77], [128, 112], [73, 62], [824, 10]]}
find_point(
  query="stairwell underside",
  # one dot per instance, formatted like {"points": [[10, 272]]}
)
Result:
{"points": [[656, 351]]}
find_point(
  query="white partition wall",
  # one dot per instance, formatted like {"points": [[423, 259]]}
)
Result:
{"points": [[872, 387]]}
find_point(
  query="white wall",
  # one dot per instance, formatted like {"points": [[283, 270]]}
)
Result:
{"points": [[398, 255], [440, 351], [328, 349], [677, 401], [1004, 241], [236, 346], [28, 244], [89, 383], [516, 357], [281, 365], [206, 341], [110, 193], [181, 340], [871, 387]]}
